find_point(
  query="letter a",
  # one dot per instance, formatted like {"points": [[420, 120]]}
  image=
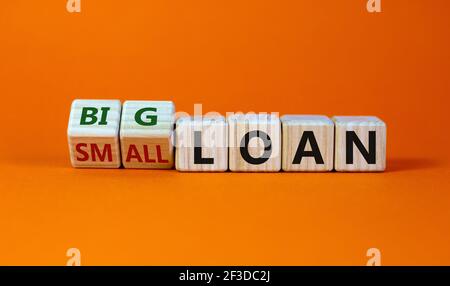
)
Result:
{"points": [[375, 257], [315, 151], [73, 6], [374, 6], [74, 255]]}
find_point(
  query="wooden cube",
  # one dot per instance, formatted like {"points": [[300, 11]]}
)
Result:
{"points": [[308, 143], [360, 144], [202, 144], [93, 133], [146, 134], [254, 143]]}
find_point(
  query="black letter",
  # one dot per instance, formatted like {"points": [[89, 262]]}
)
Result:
{"points": [[198, 150], [369, 156], [315, 152], [267, 147]]}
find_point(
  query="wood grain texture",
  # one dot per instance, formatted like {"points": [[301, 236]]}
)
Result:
{"points": [[147, 134], [242, 124], [214, 144], [293, 128], [361, 126], [92, 139]]}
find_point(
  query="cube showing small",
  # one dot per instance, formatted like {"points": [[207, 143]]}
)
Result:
{"points": [[147, 134], [93, 133]]}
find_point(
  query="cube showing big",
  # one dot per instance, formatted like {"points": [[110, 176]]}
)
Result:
{"points": [[360, 144], [308, 143], [93, 133], [254, 143], [147, 134], [202, 144]]}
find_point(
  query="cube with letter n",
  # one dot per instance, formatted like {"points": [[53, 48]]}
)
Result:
{"points": [[360, 144]]}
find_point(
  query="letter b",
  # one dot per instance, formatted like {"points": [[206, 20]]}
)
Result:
{"points": [[89, 116]]}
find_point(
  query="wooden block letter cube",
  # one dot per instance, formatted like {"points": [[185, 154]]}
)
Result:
{"points": [[360, 144], [202, 144], [93, 133], [308, 143], [146, 134], [254, 143]]}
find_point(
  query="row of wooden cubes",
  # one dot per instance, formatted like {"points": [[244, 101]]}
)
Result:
{"points": [[144, 134]]}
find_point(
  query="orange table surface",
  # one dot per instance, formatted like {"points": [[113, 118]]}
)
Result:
{"points": [[292, 57]]}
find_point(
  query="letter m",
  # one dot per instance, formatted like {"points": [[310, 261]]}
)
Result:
{"points": [[106, 152]]}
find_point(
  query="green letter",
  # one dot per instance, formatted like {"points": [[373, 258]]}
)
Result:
{"points": [[138, 117], [104, 115], [88, 112], [88, 116]]}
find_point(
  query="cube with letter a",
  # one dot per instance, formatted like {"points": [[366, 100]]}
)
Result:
{"points": [[308, 143], [147, 134], [360, 144], [93, 133]]}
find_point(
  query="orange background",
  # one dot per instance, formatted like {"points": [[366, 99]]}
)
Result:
{"points": [[299, 56]]}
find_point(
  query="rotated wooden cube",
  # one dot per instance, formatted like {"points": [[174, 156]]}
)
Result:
{"points": [[93, 133], [360, 144], [146, 134], [201, 144], [308, 143], [254, 143]]}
